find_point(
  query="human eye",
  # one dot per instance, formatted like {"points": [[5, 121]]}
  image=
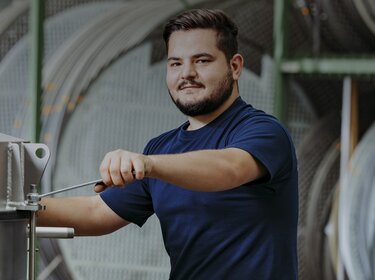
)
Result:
{"points": [[174, 62], [202, 61]]}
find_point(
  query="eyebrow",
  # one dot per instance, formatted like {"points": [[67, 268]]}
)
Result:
{"points": [[198, 55]]}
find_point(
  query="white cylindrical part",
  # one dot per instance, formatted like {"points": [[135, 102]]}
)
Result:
{"points": [[54, 232]]}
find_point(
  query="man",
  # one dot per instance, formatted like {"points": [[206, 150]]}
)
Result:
{"points": [[223, 184]]}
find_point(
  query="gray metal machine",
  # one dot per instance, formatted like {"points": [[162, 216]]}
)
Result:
{"points": [[21, 167]]}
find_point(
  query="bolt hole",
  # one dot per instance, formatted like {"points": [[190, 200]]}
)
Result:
{"points": [[40, 153]]}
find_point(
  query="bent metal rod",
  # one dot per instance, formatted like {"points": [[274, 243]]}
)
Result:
{"points": [[72, 187], [97, 181]]}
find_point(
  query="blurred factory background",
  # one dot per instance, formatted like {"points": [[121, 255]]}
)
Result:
{"points": [[310, 62]]}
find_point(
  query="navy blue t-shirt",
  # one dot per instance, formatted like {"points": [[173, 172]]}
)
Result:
{"points": [[248, 232]]}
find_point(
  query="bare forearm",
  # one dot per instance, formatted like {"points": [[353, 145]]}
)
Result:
{"points": [[81, 213], [63, 212], [206, 170]]}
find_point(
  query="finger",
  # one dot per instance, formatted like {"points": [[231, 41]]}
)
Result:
{"points": [[126, 169], [139, 170], [99, 187], [104, 170], [115, 170]]}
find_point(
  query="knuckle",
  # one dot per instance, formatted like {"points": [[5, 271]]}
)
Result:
{"points": [[118, 182], [108, 155], [139, 174], [118, 152], [114, 171], [107, 182], [124, 170]]}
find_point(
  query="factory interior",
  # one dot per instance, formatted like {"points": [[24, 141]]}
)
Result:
{"points": [[79, 78]]}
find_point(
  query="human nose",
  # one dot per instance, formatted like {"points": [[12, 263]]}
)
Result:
{"points": [[188, 71]]}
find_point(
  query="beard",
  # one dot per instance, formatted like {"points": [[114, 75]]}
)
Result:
{"points": [[218, 96]]}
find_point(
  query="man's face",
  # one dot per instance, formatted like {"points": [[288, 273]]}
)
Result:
{"points": [[199, 78]]}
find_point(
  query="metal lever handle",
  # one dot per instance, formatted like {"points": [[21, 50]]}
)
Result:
{"points": [[71, 188], [75, 187]]}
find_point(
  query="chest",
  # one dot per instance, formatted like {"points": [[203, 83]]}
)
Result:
{"points": [[242, 204]]}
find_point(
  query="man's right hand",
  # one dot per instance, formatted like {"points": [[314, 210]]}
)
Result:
{"points": [[122, 167], [99, 187]]}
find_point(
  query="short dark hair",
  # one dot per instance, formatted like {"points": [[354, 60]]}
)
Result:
{"points": [[214, 19]]}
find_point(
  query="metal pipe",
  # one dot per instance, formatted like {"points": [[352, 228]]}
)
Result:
{"points": [[339, 65], [345, 153], [32, 206], [32, 239], [36, 23], [54, 232], [279, 52]]}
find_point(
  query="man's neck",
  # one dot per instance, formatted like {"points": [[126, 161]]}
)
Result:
{"points": [[202, 120]]}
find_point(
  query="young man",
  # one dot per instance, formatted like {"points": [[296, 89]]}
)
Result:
{"points": [[223, 184]]}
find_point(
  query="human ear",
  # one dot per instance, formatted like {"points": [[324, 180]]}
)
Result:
{"points": [[236, 64]]}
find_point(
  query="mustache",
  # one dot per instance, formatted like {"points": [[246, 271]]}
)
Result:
{"points": [[189, 83]]}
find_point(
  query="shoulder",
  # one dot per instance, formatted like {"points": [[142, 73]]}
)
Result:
{"points": [[243, 113], [264, 137], [261, 130], [257, 122]]}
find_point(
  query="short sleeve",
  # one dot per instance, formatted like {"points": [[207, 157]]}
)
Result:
{"points": [[268, 141], [132, 202]]}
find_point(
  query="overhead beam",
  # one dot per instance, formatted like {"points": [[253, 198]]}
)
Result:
{"points": [[330, 66]]}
